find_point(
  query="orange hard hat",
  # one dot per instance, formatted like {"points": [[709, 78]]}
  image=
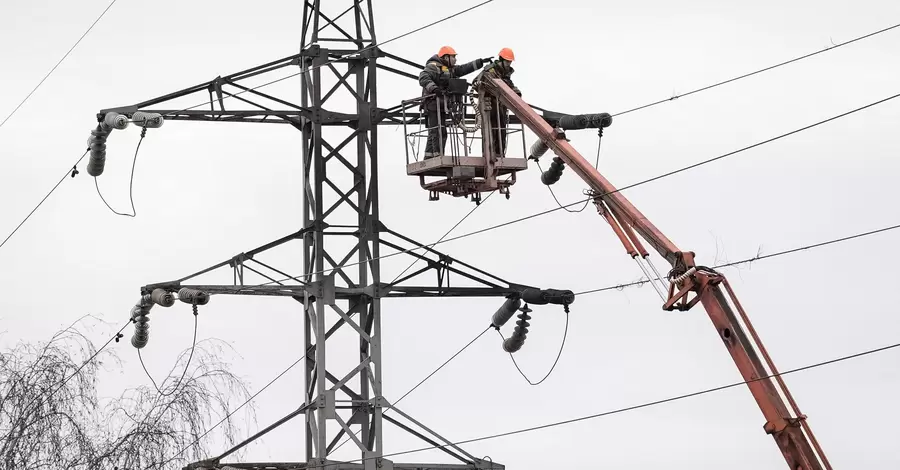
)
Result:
{"points": [[507, 53], [446, 50]]}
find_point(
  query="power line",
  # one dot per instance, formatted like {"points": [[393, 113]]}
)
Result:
{"points": [[294, 365], [714, 85], [756, 258], [581, 201], [639, 406], [423, 380], [749, 260], [247, 401], [57, 64], [45, 198], [255, 88], [674, 172], [463, 219]]}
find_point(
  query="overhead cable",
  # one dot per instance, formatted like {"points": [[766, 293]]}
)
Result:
{"points": [[581, 201], [232, 412], [58, 63], [266, 84], [630, 408], [756, 258], [476, 338], [714, 85], [73, 173], [445, 235]]}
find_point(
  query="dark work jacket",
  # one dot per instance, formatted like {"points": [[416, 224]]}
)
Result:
{"points": [[493, 70], [436, 76]]}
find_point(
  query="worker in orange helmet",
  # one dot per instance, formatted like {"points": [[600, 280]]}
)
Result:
{"points": [[435, 79], [499, 117]]}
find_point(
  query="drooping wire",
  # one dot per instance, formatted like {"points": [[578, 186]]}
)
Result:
{"points": [[631, 408], [183, 373], [73, 172], [596, 166], [714, 85], [130, 183], [756, 258], [58, 63], [556, 361]]}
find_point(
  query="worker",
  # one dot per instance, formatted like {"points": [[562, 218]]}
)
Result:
{"points": [[435, 79], [499, 117]]}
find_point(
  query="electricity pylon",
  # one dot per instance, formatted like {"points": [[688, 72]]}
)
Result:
{"points": [[341, 286]]}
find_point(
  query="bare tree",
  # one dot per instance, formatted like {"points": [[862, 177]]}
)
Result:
{"points": [[46, 423]]}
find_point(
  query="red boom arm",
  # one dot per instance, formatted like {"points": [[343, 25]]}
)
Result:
{"points": [[790, 431]]}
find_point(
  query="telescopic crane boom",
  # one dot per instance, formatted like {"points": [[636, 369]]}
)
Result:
{"points": [[688, 284]]}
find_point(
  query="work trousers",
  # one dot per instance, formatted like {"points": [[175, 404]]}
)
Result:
{"points": [[499, 125], [437, 132]]}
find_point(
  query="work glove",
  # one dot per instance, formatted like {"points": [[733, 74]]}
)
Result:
{"points": [[431, 88], [516, 91]]}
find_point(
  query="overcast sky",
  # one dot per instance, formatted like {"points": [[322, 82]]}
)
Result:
{"points": [[205, 192]]}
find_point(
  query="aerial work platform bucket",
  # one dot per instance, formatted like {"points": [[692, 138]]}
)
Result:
{"points": [[461, 122]]}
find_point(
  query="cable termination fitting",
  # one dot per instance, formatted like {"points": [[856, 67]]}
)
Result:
{"points": [[548, 296], [193, 296], [162, 297], [145, 119]]}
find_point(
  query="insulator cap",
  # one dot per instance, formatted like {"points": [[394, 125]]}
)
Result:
{"points": [[585, 121], [548, 296], [115, 120], [162, 297], [512, 345], [515, 342], [193, 296], [148, 120], [538, 149], [554, 173], [506, 311], [139, 313], [97, 144], [141, 335]]}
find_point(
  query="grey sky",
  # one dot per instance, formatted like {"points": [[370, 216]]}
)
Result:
{"points": [[205, 192]]}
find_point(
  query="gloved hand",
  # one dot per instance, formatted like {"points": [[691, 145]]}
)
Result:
{"points": [[479, 63], [431, 88], [516, 90]]}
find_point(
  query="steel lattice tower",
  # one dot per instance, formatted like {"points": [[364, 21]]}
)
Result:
{"points": [[342, 234]]}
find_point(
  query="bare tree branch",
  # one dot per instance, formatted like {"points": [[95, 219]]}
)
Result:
{"points": [[69, 427]]}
